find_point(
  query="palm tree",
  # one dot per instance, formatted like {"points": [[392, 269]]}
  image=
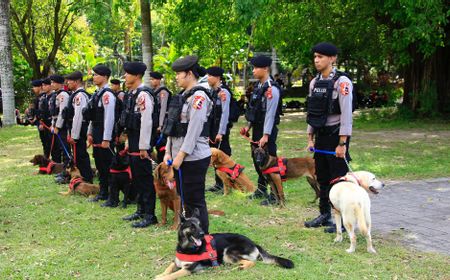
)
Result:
{"points": [[147, 51]]}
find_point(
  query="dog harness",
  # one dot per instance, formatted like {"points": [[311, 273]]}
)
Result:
{"points": [[126, 170], [233, 172], [342, 179], [279, 168], [48, 168], [74, 183], [210, 253]]}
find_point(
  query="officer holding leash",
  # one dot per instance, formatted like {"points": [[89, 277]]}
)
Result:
{"points": [[263, 116], [329, 121], [187, 128], [138, 118], [220, 130]]}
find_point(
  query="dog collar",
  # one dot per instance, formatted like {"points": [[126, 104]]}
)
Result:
{"points": [[74, 183], [48, 169], [210, 253], [343, 178]]}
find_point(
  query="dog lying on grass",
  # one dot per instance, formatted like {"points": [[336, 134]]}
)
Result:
{"points": [[196, 251], [46, 166], [230, 173], [350, 200], [277, 170], [78, 185]]}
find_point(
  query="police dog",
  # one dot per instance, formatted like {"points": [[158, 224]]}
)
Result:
{"points": [[350, 200], [166, 190], [78, 185], [46, 166], [229, 248], [295, 168], [221, 160]]}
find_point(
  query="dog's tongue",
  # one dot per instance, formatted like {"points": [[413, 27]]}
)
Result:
{"points": [[171, 185], [372, 189], [197, 242]]}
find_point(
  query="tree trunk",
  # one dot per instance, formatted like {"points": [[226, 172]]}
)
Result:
{"points": [[146, 39], [6, 69]]}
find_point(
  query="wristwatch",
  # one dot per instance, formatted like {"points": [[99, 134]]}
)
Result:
{"points": [[342, 143]]}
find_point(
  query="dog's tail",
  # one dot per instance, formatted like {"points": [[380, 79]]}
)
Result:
{"points": [[361, 219], [268, 258]]}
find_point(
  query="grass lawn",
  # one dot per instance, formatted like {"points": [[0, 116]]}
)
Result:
{"points": [[46, 236]]}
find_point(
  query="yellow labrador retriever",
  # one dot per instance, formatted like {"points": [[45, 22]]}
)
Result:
{"points": [[350, 200]]}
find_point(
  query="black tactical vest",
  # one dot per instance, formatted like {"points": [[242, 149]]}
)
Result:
{"points": [[69, 111], [43, 110], [53, 107], [257, 105], [93, 112]]}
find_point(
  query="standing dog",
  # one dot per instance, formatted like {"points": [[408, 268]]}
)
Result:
{"points": [[277, 170], [166, 190], [196, 251], [47, 166], [230, 173], [78, 185], [350, 200], [120, 177]]}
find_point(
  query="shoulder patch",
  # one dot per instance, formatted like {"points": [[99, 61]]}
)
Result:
{"points": [[198, 102], [61, 98], [223, 95], [141, 103], [344, 88], [106, 99], [269, 93], [78, 100]]}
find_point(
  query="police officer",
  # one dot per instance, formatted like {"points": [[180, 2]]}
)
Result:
{"points": [[78, 129], [117, 89], [36, 87], [44, 116], [101, 114], [59, 127], [138, 121], [263, 116], [329, 125], [163, 95], [220, 133], [187, 144]]}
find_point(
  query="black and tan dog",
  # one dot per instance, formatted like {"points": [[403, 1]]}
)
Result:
{"points": [[46, 166], [277, 170], [78, 185], [196, 251]]}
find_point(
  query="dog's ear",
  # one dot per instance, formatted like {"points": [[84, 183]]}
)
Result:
{"points": [[157, 170], [182, 219], [196, 213]]}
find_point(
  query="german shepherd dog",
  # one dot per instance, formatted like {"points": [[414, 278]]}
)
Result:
{"points": [[295, 168], [120, 177], [238, 181], [46, 166], [78, 185], [227, 247]]}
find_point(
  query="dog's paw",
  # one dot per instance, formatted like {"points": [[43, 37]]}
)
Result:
{"points": [[371, 250], [350, 250], [338, 239]]}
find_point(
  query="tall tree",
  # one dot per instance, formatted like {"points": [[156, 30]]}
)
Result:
{"points": [[147, 52], [6, 69]]}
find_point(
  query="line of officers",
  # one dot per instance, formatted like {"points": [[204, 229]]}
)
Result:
{"points": [[182, 127]]}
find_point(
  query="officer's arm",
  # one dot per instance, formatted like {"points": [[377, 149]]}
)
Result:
{"points": [[197, 117], [78, 116], [225, 112], [162, 113], [169, 146], [271, 110], [63, 101], [109, 104], [145, 103], [310, 129], [345, 88]]}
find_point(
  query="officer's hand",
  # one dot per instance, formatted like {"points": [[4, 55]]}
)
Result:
{"points": [[90, 140], [105, 144], [166, 159], [178, 161], [41, 127], [263, 141], [310, 147], [340, 151], [143, 154], [158, 129], [55, 130], [218, 138], [244, 131], [70, 140]]}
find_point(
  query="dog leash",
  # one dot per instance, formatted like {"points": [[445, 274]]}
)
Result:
{"points": [[169, 163], [64, 146], [331, 153]]}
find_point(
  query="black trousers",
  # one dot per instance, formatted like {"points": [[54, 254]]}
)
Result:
{"points": [[103, 159], [141, 170], [81, 155], [62, 143], [328, 167], [258, 132], [44, 135], [55, 148], [225, 147], [191, 188]]}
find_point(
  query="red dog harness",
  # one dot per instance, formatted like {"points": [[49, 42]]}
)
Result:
{"points": [[342, 179], [279, 168], [48, 168], [126, 170], [234, 172], [210, 253], [74, 183]]}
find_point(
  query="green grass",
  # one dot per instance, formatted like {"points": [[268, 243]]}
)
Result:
{"points": [[47, 236]]}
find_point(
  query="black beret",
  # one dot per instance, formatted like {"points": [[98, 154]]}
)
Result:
{"points": [[57, 79], [102, 70], [36, 83], [156, 75], [74, 76], [201, 71], [135, 68], [184, 63], [324, 48], [115, 81], [261, 61], [215, 71], [47, 81]]}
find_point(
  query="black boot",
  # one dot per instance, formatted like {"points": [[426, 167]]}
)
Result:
{"points": [[139, 214], [113, 198], [261, 191], [332, 229], [324, 219], [321, 220], [147, 220], [271, 200]]}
